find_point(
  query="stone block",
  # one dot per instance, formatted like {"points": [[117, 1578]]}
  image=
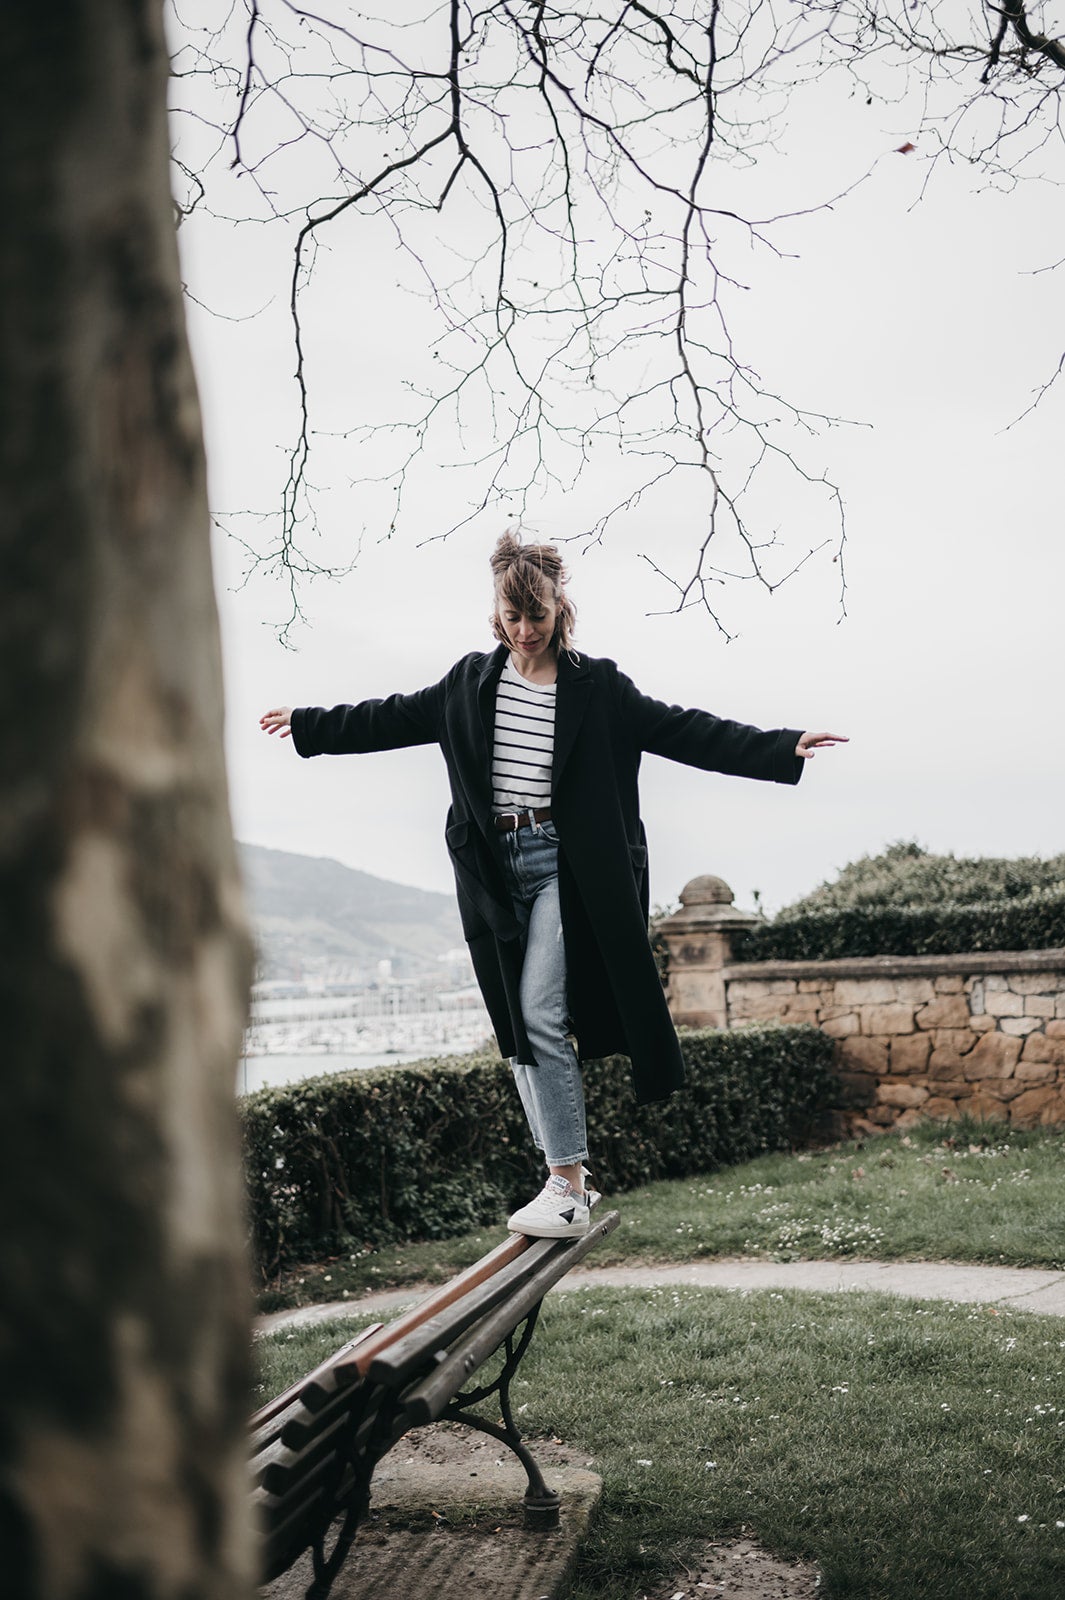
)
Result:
{"points": [[910, 1119], [1002, 1088], [1033, 982], [756, 1008], [856, 1088], [1038, 1047], [948, 984], [799, 1007], [994, 1055], [884, 1115], [1038, 1107], [815, 985], [939, 1106], [986, 1109], [956, 1088], [830, 1010], [1056, 1029], [865, 1055], [980, 1022], [1005, 1003], [943, 1064], [865, 991], [914, 989], [946, 1011], [839, 1027], [974, 988], [909, 1054], [1059, 1006], [887, 1019], [1034, 1071], [1019, 1026], [995, 981], [862, 1128], [1039, 1005], [959, 1039], [741, 990], [901, 1094]]}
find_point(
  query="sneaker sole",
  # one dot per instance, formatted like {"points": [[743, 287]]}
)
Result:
{"points": [[565, 1231]]}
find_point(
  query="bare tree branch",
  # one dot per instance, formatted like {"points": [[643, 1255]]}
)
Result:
{"points": [[559, 178]]}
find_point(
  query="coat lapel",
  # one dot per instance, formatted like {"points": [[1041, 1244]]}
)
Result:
{"points": [[571, 701]]}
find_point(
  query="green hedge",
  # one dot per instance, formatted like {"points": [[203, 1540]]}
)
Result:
{"points": [[1036, 922], [906, 875], [440, 1147]]}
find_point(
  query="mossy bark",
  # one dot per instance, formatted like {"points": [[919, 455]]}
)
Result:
{"points": [[124, 959]]}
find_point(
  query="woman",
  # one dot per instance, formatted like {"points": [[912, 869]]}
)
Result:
{"points": [[543, 749]]}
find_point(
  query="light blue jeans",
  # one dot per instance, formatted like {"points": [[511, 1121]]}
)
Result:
{"points": [[551, 1091]]}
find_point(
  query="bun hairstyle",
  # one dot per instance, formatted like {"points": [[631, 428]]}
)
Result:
{"points": [[526, 577]]}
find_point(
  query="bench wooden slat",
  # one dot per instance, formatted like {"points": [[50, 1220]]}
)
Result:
{"points": [[403, 1358], [426, 1400], [439, 1300]]}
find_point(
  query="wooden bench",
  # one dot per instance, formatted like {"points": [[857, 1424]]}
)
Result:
{"points": [[314, 1448]]}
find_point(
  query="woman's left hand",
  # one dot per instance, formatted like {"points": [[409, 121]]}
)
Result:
{"points": [[812, 742]]}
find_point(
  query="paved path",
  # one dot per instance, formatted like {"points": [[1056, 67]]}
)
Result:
{"points": [[1022, 1288]]}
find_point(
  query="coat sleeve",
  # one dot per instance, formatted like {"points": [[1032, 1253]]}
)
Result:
{"points": [[402, 719], [699, 739]]}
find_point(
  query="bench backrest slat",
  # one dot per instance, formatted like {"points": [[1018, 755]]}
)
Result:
{"points": [[260, 1423]]}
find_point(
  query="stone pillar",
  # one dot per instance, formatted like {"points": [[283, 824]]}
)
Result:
{"points": [[699, 940]]}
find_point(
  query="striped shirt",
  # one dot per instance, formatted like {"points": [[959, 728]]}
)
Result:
{"points": [[524, 742]]}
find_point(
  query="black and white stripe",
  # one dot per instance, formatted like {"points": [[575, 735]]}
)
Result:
{"points": [[524, 742]]}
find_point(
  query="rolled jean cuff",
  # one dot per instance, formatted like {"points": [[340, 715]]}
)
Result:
{"points": [[566, 1161]]}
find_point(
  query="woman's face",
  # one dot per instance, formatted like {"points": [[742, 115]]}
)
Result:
{"points": [[530, 635]]}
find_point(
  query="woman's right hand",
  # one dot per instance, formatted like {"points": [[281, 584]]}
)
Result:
{"points": [[277, 721]]}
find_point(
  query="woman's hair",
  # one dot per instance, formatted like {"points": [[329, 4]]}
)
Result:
{"points": [[527, 577]]}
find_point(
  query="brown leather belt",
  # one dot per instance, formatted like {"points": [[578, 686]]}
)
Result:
{"points": [[507, 821]]}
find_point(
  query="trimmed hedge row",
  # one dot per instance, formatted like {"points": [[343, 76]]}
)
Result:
{"points": [[1036, 922], [439, 1147]]}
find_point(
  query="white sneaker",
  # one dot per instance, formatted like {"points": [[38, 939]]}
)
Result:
{"points": [[556, 1213]]}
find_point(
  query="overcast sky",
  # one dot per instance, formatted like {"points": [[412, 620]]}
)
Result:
{"points": [[924, 320]]}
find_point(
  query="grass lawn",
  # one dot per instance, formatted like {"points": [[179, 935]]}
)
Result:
{"points": [[961, 1193], [911, 1449]]}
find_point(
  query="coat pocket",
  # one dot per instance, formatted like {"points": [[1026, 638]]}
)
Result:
{"points": [[457, 835], [638, 857]]}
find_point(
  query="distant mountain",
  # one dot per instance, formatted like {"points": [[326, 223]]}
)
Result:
{"points": [[309, 913]]}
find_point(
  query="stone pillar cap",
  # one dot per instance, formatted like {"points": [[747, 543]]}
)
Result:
{"points": [[706, 890], [706, 904]]}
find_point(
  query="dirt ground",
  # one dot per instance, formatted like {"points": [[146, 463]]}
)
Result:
{"points": [[724, 1569], [739, 1569]]}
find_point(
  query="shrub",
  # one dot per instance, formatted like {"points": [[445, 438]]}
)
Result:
{"points": [[906, 902], [906, 875], [439, 1147], [1036, 923]]}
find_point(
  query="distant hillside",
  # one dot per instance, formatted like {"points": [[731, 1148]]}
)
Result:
{"points": [[309, 912]]}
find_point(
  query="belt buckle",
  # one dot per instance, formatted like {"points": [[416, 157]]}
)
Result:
{"points": [[513, 817]]}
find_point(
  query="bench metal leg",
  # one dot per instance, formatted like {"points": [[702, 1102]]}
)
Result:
{"points": [[541, 1504]]}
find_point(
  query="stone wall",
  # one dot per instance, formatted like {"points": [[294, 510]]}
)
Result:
{"points": [[928, 1037], [918, 1036]]}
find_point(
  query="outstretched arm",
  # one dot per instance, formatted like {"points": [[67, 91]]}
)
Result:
{"points": [[699, 739], [402, 719]]}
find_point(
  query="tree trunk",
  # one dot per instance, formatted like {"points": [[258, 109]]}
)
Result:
{"points": [[124, 960]]}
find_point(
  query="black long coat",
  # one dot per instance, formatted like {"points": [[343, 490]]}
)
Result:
{"points": [[603, 724]]}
